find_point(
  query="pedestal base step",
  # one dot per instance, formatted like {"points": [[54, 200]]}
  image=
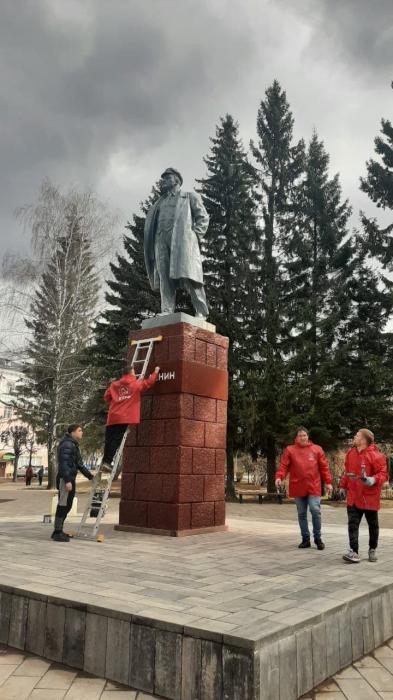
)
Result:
{"points": [[172, 533]]}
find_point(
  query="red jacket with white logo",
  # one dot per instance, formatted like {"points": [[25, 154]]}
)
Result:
{"points": [[373, 463], [306, 467], [124, 398]]}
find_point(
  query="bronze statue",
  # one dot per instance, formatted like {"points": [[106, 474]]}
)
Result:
{"points": [[172, 255]]}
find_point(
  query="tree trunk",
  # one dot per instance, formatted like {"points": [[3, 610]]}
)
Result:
{"points": [[31, 453], [15, 474], [271, 455], [51, 462], [230, 494]]}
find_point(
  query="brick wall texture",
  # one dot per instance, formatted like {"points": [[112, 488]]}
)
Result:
{"points": [[174, 461]]}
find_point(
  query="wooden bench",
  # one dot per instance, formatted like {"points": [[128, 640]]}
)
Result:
{"points": [[261, 495]]}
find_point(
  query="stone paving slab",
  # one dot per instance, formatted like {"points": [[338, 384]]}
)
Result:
{"points": [[35, 679], [251, 602]]}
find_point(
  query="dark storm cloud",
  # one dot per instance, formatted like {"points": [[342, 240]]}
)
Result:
{"points": [[108, 93], [359, 33], [82, 80]]}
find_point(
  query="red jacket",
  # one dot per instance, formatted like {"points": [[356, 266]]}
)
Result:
{"points": [[124, 398], [374, 463], [306, 466]]}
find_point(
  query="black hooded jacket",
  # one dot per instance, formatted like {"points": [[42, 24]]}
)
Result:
{"points": [[70, 460]]}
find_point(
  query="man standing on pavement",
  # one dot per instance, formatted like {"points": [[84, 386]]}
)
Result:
{"points": [[365, 473], [29, 475], [40, 475], [307, 466], [69, 463]]}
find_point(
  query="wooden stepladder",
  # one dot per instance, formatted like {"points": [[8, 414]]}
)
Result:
{"points": [[97, 501]]}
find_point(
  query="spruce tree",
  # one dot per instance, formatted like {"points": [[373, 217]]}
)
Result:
{"points": [[230, 265], [366, 378], [379, 186], [130, 299], [362, 388], [316, 268], [280, 164]]}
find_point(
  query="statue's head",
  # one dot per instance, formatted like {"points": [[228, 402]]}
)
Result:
{"points": [[170, 178]]}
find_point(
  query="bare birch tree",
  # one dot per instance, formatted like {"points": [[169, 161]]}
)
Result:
{"points": [[69, 235]]}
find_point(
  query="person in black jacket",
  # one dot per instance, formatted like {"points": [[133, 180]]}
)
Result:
{"points": [[70, 462]]}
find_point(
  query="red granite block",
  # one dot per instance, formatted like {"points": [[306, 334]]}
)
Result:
{"points": [[136, 459], [214, 488], [222, 357], [221, 411], [209, 337], [148, 487], [221, 461], [219, 513], [211, 355], [132, 435], [182, 347], [184, 432], [160, 353], [128, 487], [133, 513], [173, 406], [170, 488], [203, 461], [182, 488], [215, 435], [171, 460], [204, 408], [169, 516], [202, 514], [190, 488], [143, 333], [146, 407], [200, 351], [151, 432]]}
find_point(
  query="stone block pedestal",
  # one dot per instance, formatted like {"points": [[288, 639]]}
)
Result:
{"points": [[173, 477]]}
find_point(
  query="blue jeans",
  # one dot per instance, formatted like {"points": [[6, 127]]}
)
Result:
{"points": [[314, 504]]}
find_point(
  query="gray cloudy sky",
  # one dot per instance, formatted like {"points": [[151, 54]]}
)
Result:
{"points": [[107, 93]]}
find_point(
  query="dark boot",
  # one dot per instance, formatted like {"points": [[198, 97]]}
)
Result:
{"points": [[60, 537], [304, 544], [319, 543]]}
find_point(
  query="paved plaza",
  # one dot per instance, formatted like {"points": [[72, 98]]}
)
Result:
{"points": [[27, 677], [249, 586], [23, 677], [243, 582]]}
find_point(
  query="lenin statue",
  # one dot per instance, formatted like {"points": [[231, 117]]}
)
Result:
{"points": [[172, 255]]}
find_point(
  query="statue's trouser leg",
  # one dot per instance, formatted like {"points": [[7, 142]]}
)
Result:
{"points": [[64, 505], [167, 285], [198, 296]]}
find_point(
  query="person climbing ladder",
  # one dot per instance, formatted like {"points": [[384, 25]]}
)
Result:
{"points": [[124, 408]]}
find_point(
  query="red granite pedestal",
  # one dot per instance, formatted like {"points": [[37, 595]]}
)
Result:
{"points": [[173, 477]]}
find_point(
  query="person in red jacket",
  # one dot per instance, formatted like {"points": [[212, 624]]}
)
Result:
{"points": [[307, 465], [124, 399], [365, 473]]}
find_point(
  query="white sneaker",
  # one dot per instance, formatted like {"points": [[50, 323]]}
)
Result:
{"points": [[372, 555], [352, 557]]}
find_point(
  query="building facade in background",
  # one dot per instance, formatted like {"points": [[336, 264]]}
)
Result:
{"points": [[11, 372]]}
